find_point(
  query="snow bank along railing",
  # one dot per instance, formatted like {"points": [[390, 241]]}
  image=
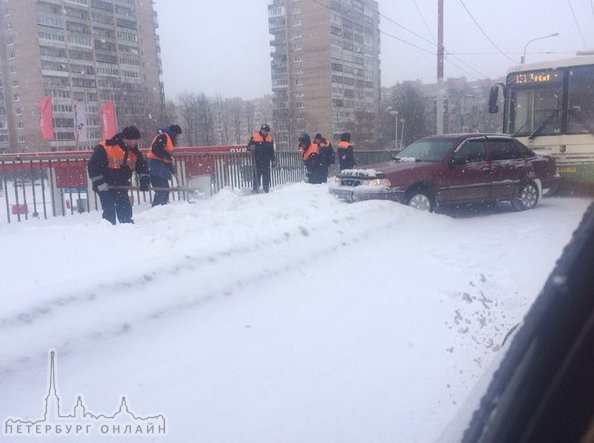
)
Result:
{"points": [[55, 184]]}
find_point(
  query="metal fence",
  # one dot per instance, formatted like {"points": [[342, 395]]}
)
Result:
{"points": [[45, 185]]}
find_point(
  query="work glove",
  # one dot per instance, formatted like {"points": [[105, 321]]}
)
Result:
{"points": [[144, 183], [103, 187]]}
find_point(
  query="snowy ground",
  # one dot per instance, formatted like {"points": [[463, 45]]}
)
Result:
{"points": [[286, 317]]}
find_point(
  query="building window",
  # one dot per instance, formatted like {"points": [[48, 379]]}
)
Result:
{"points": [[20, 125], [22, 138], [19, 111], [16, 97]]}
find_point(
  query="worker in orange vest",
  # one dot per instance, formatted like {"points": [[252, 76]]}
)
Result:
{"points": [[326, 151], [261, 145], [346, 157], [110, 169], [313, 160], [162, 163]]}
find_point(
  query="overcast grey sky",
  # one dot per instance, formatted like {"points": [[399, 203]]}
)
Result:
{"points": [[222, 47]]}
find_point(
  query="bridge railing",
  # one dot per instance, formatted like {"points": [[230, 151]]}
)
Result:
{"points": [[56, 184]]}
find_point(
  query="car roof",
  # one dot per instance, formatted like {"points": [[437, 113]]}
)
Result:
{"points": [[463, 136]]}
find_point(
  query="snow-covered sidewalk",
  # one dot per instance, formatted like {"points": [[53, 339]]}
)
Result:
{"points": [[285, 317]]}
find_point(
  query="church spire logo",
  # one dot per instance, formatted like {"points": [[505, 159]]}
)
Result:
{"points": [[54, 422]]}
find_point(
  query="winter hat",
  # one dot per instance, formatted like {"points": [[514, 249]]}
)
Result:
{"points": [[318, 136], [265, 127], [304, 140], [176, 129], [131, 133], [345, 137]]}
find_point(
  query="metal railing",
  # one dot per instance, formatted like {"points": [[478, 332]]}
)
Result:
{"points": [[45, 185]]}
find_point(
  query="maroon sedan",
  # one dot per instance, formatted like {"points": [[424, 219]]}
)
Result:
{"points": [[460, 168]]}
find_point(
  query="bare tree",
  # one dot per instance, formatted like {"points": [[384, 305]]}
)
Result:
{"points": [[188, 111], [363, 127], [410, 103]]}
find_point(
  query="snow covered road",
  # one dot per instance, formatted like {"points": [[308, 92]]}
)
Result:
{"points": [[282, 317]]}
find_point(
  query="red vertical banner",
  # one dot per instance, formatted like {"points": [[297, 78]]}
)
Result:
{"points": [[107, 112], [46, 118]]}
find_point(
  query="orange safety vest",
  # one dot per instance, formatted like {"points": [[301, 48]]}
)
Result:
{"points": [[168, 148], [343, 145], [115, 157], [257, 138], [312, 149]]}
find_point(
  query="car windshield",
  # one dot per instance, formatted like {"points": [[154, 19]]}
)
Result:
{"points": [[427, 150]]}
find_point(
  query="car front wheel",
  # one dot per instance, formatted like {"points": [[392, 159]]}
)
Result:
{"points": [[421, 200], [526, 196]]}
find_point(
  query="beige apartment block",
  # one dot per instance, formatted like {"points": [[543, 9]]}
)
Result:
{"points": [[325, 69], [82, 54]]}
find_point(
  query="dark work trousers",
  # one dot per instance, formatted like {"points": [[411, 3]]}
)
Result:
{"points": [[262, 170], [161, 197], [116, 202]]}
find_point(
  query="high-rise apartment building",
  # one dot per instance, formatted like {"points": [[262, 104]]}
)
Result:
{"points": [[72, 70], [325, 69]]}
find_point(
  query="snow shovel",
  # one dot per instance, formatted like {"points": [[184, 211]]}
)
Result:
{"points": [[184, 189]]}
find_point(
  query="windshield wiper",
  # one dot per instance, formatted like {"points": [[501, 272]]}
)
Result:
{"points": [[543, 125]]}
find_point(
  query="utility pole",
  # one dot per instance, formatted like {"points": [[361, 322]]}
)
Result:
{"points": [[440, 51]]}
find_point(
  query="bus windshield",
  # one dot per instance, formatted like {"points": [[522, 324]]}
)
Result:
{"points": [[535, 104], [551, 102]]}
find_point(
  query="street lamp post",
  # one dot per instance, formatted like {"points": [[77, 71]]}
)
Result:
{"points": [[533, 40], [402, 122], [395, 114]]}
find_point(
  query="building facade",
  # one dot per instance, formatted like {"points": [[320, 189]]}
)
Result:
{"points": [[325, 69], [71, 71]]}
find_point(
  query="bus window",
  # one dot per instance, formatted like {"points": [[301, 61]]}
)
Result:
{"points": [[581, 100], [535, 110]]}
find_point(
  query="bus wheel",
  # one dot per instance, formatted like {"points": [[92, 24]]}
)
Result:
{"points": [[526, 196]]}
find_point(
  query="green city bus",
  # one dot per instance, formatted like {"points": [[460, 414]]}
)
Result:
{"points": [[549, 106]]}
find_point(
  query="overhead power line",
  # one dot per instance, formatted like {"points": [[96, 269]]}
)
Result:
{"points": [[577, 25], [484, 33], [415, 46], [425, 22]]}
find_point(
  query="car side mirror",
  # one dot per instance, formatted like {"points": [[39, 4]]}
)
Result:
{"points": [[459, 161]]}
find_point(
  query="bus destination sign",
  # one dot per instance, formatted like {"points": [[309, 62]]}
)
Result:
{"points": [[536, 77]]}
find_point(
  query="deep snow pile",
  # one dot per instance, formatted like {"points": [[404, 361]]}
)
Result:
{"points": [[282, 317]]}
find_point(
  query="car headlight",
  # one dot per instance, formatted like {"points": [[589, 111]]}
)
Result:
{"points": [[377, 182]]}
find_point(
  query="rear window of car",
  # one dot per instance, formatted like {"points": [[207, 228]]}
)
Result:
{"points": [[525, 151], [504, 150]]}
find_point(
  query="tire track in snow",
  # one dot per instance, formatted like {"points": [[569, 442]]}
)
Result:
{"points": [[48, 317]]}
